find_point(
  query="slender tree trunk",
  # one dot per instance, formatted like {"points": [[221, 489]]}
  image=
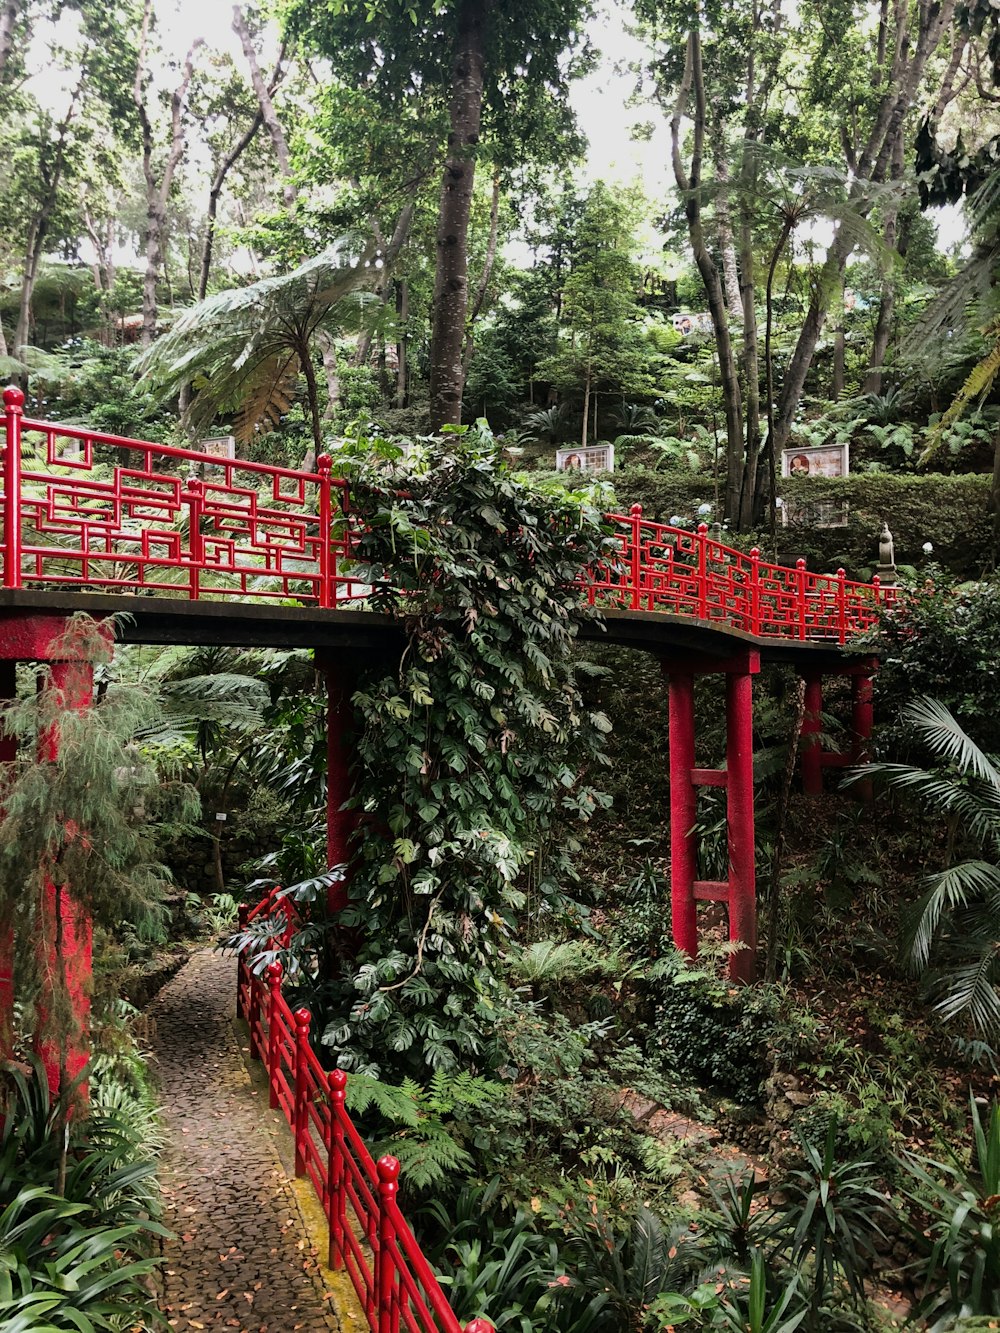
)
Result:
{"points": [[751, 355], [328, 350], [690, 186], [215, 190], [887, 297], [586, 408], [772, 456], [402, 339], [390, 254], [8, 22], [839, 348], [266, 104], [723, 219], [451, 284], [158, 191], [305, 359], [484, 278]]}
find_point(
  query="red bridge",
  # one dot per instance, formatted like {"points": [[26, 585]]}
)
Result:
{"points": [[200, 548]]}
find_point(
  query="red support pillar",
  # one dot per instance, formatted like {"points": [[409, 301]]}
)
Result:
{"points": [[67, 933], [812, 725], [340, 823], [740, 820], [683, 847], [8, 753]]}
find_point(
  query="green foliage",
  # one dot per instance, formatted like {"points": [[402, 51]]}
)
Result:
{"points": [[950, 511], [709, 1032], [81, 819], [472, 755], [955, 923], [734, 1305], [962, 1271], [832, 1217], [942, 641], [77, 1214]]}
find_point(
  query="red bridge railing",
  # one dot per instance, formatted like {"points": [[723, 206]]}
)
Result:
{"points": [[674, 570], [369, 1237], [87, 510]]}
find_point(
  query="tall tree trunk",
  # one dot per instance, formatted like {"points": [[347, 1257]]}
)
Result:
{"points": [[751, 355], [772, 454], [690, 185], [723, 219], [907, 69], [218, 180], [8, 22], [896, 238], [328, 351], [268, 113], [451, 281], [158, 191], [389, 253], [586, 408], [402, 339], [839, 347], [483, 285]]}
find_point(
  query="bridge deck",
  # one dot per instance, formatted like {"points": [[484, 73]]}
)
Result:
{"points": [[163, 620]]}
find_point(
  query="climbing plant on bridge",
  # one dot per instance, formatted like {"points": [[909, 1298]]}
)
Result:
{"points": [[473, 748]]}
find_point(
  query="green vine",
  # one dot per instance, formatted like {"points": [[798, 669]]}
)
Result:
{"points": [[471, 753]]}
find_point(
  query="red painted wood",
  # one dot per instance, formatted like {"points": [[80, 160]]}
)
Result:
{"points": [[250, 530], [711, 890], [709, 777], [63, 913], [302, 1090], [740, 819], [683, 847]]}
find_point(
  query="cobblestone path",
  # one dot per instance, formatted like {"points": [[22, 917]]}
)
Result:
{"points": [[241, 1259]]}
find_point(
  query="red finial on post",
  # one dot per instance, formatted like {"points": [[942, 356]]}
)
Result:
{"points": [[273, 1032], [325, 592], [336, 1169], [387, 1257], [300, 1117], [13, 399], [478, 1326]]}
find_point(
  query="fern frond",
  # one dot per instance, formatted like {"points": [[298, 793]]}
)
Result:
{"points": [[270, 392]]}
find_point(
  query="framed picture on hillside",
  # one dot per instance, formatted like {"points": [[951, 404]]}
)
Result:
{"points": [[600, 458], [823, 460]]}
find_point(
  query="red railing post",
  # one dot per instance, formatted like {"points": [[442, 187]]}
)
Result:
{"points": [[636, 515], [301, 1110], [841, 606], [195, 497], [326, 594], [335, 1192], [13, 400], [754, 627], [800, 597], [273, 1034], [701, 542], [242, 974], [385, 1257]]}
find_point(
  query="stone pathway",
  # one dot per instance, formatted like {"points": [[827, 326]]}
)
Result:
{"points": [[241, 1259]]}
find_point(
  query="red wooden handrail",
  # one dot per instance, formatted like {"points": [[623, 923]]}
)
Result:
{"points": [[107, 512], [370, 1239]]}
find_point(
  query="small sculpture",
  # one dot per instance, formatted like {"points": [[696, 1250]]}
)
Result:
{"points": [[886, 551]]}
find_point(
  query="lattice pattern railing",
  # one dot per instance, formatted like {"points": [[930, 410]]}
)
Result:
{"points": [[91, 511], [369, 1237], [660, 568]]}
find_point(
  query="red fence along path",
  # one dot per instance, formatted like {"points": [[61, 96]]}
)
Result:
{"points": [[369, 1237], [101, 512]]}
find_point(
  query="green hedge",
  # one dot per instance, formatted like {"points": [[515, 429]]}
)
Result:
{"points": [[949, 512]]}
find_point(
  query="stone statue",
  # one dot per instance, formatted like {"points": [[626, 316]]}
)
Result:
{"points": [[886, 551]]}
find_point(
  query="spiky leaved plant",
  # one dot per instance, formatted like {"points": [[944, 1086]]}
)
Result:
{"points": [[956, 922], [79, 831]]}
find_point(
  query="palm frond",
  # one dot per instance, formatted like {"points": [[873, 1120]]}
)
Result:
{"points": [[270, 392], [971, 991], [947, 892], [946, 739], [231, 345]]}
